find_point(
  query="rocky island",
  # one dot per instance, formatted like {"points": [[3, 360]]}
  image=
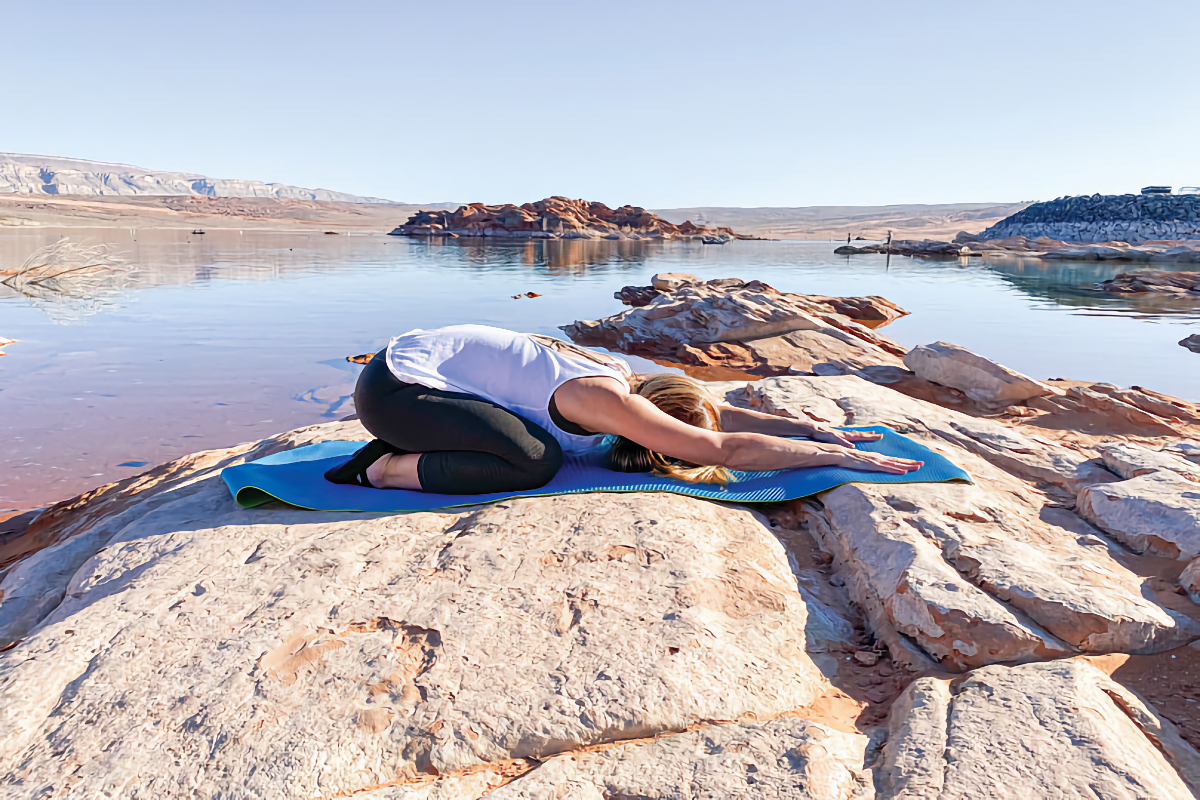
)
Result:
{"points": [[951, 641], [555, 218], [1156, 228]]}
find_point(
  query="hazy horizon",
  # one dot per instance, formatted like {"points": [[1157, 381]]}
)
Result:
{"points": [[769, 105]]}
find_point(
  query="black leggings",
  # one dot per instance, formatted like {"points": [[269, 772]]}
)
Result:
{"points": [[469, 445]]}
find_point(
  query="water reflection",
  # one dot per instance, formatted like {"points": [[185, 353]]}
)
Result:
{"points": [[1074, 284], [68, 280], [565, 257]]}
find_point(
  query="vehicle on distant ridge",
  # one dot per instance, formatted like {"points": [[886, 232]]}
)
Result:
{"points": [[1156, 190], [1188, 190]]}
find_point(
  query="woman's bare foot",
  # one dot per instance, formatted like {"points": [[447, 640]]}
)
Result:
{"points": [[395, 471]]}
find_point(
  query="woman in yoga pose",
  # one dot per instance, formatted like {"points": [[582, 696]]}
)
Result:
{"points": [[471, 409]]}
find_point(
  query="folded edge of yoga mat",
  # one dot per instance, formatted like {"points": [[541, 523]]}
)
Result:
{"points": [[297, 477]]}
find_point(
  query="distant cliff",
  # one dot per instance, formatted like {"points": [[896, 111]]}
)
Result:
{"points": [[47, 175], [554, 218], [1131, 218]]}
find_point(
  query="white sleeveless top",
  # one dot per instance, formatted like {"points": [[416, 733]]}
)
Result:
{"points": [[510, 369]]}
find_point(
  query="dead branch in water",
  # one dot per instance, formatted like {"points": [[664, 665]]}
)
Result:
{"points": [[69, 280]]}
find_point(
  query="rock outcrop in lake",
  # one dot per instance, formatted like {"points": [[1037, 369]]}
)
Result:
{"points": [[732, 327], [874, 641], [553, 218], [1132, 218]]}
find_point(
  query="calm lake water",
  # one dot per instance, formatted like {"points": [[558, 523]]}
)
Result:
{"points": [[229, 337]]}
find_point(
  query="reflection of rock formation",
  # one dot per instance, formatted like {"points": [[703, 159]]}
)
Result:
{"points": [[1154, 281], [1075, 284], [70, 280]]}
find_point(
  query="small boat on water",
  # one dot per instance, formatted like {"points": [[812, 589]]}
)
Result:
{"points": [[713, 240], [197, 232]]}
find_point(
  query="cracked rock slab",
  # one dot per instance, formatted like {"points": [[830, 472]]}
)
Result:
{"points": [[1131, 460], [1062, 729], [788, 757], [1157, 513], [974, 574], [979, 378], [206, 649], [978, 577]]}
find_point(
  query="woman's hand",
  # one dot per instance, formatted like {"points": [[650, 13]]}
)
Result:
{"points": [[874, 462], [826, 433]]}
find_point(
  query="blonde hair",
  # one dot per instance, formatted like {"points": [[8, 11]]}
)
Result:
{"points": [[687, 401]]}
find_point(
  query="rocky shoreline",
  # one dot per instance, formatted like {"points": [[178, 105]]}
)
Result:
{"points": [[874, 641], [556, 218], [1152, 228], [965, 245], [1132, 218]]}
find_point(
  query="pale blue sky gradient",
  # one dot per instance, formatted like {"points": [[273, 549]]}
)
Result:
{"points": [[657, 104]]}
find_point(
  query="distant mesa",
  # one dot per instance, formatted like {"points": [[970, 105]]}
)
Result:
{"points": [[48, 175], [556, 218]]}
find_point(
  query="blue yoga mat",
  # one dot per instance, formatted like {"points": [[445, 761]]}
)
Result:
{"points": [[297, 477]]}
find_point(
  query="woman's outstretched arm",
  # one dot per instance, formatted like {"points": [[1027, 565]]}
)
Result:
{"points": [[603, 405], [743, 420]]}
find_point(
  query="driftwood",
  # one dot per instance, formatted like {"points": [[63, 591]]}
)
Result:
{"points": [[69, 280]]}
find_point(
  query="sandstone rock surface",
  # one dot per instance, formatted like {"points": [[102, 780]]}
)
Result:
{"points": [[1156, 513], [873, 311], [979, 378], [789, 757], [1062, 730], [196, 643], [748, 328]]}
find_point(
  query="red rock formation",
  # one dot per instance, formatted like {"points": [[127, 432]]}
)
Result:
{"points": [[553, 218]]}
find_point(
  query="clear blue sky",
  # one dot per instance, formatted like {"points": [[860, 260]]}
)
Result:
{"points": [[654, 103]]}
